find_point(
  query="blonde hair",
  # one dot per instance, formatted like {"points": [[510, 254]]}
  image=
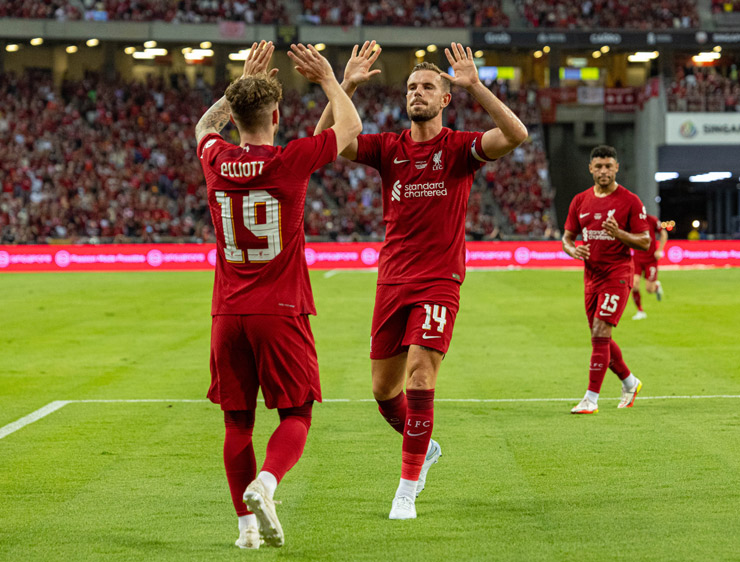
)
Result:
{"points": [[251, 99], [434, 68]]}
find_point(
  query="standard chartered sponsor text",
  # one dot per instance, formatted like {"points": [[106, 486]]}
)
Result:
{"points": [[429, 189]]}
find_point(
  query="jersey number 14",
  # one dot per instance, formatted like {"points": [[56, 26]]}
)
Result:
{"points": [[266, 229]]}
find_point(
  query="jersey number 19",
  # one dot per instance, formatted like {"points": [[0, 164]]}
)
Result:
{"points": [[265, 230]]}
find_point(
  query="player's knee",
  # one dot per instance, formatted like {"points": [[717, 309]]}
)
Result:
{"points": [[239, 419], [301, 413], [421, 377]]}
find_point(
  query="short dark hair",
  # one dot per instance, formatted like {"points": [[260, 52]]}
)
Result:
{"points": [[251, 97], [434, 68], [604, 151]]}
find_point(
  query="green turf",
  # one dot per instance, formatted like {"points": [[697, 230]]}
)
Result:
{"points": [[517, 480]]}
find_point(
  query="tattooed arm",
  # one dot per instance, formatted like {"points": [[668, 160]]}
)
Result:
{"points": [[213, 120]]}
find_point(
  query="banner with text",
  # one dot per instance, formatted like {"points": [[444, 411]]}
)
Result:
{"points": [[325, 256], [702, 128]]}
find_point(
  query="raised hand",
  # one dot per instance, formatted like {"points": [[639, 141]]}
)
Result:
{"points": [[258, 59], [358, 66], [462, 63], [310, 63]]}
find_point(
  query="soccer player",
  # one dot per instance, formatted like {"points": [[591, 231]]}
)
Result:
{"points": [[260, 333], [427, 173], [646, 264], [611, 220]]}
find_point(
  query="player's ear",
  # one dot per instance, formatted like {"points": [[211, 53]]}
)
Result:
{"points": [[275, 116], [446, 99]]}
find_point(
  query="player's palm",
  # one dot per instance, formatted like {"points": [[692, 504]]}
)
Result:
{"points": [[358, 66], [463, 65], [258, 59]]}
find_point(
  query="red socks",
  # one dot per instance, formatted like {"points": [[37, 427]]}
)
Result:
{"points": [[599, 363], [637, 298], [288, 440], [394, 411], [241, 468], [616, 363], [419, 425]]}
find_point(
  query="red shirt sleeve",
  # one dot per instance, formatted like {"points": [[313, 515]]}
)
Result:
{"points": [[637, 217], [210, 146], [369, 149], [305, 156], [572, 223]]}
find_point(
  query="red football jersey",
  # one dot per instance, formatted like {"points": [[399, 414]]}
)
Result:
{"points": [[426, 186], [610, 260], [655, 229], [256, 195]]}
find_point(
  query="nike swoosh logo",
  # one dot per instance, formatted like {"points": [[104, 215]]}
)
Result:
{"points": [[415, 434], [426, 336], [583, 215], [397, 161]]}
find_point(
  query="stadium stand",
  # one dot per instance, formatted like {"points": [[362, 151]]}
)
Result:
{"points": [[106, 161], [417, 13], [703, 89], [176, 11], [610, 14]]}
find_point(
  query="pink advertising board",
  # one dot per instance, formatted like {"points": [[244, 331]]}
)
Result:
{"points": [[194, 257]]}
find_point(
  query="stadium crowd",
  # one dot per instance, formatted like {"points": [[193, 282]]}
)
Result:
{"points": [[416, 13], [177, 11], [610, 14], [704, 89], [115, 161]]}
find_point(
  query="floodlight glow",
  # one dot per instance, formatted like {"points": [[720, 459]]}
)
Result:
{"points": [[143, 55], [206, 45], [150, 44], [710, 176], [12, 48], [198, 54], [596, 54], [129, 50], [537, 54], [605, 49], [478, 54], [156, 52], [320, 46], [643, 56], [431, 48], [36, 41], [71, 49], [665, 176], [241, 55], [695, 223], [92, 42], [420, 53], [546, 49]]}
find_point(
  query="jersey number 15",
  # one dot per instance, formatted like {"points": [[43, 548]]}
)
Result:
{"points": [[265, 230]]}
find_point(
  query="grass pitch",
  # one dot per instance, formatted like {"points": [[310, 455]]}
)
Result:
{"points": [[520, 480]]}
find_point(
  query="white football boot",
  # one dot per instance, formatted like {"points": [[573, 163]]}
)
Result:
{"points": [[433, 453], [259, 503], [403, 507], [249, 538], [585, 406], [640, 315], [628, 396]]}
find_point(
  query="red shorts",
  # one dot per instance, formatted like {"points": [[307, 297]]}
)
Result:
{"points": [[413, 313], [276, 353], [648, 269], [607, 303]]}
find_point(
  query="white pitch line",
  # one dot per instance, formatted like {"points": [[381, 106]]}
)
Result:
{"points": [[57, 404], [331, 273], [32, 417]]}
